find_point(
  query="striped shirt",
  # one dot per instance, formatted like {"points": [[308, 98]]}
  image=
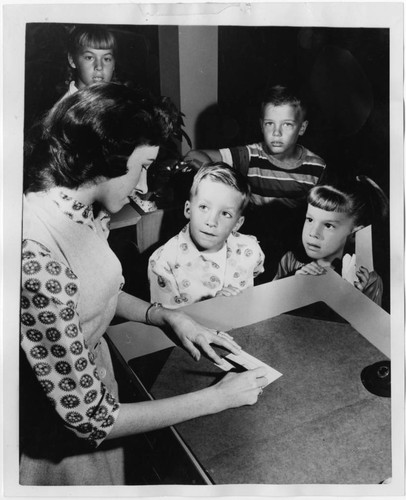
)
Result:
{"points": [[268, 177]]}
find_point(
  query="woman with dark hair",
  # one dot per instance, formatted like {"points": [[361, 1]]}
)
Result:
{"points": [[92, 150]]}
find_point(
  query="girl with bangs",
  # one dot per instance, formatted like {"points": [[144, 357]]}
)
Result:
{"points": [[334, 215], [92, 52]]}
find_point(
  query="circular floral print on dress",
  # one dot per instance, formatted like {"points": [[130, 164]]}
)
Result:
{"points": [[81, 364], [90, 396], [32, 267], [63, 368], [39, 352], [34, 335], [53, 286], [58, 351], [40, 301], [67, 384], [32, 285], [53, 268], [47, 386], [42, 369], [71, 331], [53, 334], [73, 417], [27, 319], [70, 401], [86, 381]]}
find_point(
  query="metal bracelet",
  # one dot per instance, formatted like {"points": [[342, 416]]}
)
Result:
{"points": [[155, 304]]}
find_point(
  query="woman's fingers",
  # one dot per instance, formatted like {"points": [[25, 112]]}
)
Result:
{"points": [[192, 350], [224, 340], [223, 334], [243, 388]]}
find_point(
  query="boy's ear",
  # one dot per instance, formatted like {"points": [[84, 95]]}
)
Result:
{"points": [[239, 223], [71, 62], [303, 127], [186, 211]]}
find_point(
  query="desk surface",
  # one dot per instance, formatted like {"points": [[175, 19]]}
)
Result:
{"points": [[316, 424]]}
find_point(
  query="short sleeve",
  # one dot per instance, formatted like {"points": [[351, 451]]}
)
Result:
{"points": [[259, 268], [53, 342], [238, 157], [162, 282], [226, 156]]}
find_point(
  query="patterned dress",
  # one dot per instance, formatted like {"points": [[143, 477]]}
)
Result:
{"points": [[180, 275], [70, 285]]}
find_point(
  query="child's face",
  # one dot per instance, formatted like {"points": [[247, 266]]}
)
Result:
{"points": [[281, 126], [325, 233], [214, 212], [92, 66]]}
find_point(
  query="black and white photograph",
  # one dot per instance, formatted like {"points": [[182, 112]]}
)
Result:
{"points": [[159, 338]]}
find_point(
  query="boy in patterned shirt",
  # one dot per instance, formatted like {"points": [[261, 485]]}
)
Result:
{"points": [[208, 257]]}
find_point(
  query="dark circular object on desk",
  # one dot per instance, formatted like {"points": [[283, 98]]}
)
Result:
{"points": [[376, 378]]}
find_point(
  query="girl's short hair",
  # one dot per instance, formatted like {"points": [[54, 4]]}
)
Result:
{"points": [[91, 35], [222, 172], [360, 198], [90, 135]]}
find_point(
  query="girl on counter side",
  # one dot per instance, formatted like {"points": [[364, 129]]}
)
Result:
{"points": [[334, 215], [93, 149]]}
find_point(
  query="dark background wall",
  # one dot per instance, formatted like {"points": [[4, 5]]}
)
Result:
{"points": [[345, 73]]}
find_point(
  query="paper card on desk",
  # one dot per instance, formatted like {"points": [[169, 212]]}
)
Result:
{"points": [[248, 362], [363, 248]]}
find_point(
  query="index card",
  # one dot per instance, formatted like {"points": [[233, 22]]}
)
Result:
{"points": [[249, 362], [363, 248]]}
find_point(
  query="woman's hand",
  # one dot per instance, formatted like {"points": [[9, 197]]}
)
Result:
{"points": [[313, 268], [363, 278], [195, 337], [237, 389], [228, 291]]}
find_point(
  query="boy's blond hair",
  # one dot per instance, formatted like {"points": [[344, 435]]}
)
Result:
{"points": [[221, 172]]}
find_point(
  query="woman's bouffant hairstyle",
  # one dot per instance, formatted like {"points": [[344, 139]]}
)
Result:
{"points": [[223, 173], [360, 198], [90, 135]]}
